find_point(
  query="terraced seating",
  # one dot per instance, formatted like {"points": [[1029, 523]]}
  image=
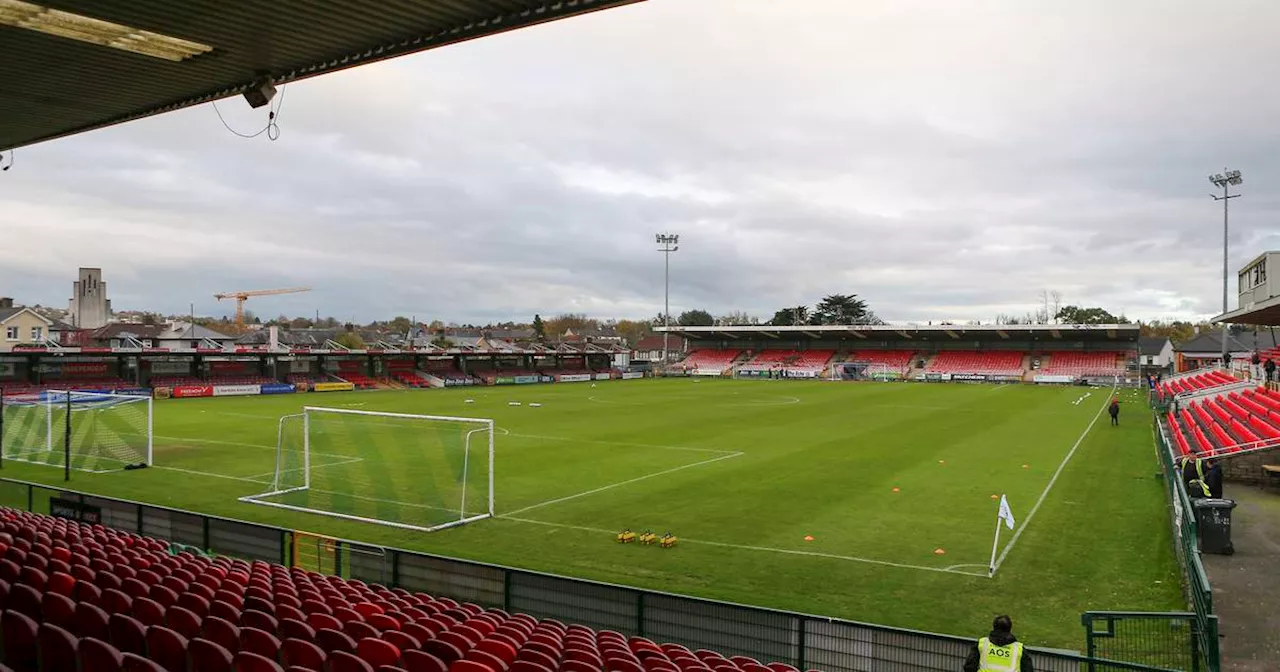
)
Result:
{"points": [[79, 597], [1080, 364], [986, 363]]}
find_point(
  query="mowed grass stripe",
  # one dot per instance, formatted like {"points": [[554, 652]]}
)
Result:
{"points": [[825, 466]]}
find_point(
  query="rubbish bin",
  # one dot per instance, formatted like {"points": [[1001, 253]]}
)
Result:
{"points": [[1213, 518]]}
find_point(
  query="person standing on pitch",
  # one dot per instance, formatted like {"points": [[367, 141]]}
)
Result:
{"points": [[1114, 410], [999, 651]]}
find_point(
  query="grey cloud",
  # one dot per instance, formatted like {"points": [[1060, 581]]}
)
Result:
{"points": [[944, 160]]}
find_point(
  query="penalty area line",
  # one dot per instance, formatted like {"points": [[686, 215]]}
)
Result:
{"points": [[1044, 495], [611, 486], [764, 549]]}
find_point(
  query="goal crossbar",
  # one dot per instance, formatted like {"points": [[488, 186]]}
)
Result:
{"points": [[281, 491]]}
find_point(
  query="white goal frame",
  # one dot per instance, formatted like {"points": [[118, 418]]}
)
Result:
{"points": [[263, 499], [63, 396], [872, 369]]}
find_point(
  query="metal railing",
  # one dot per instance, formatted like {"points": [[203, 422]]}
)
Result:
{"points": [[1195, 582], [803, 640]]}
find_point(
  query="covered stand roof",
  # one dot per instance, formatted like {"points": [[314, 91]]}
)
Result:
{"points": [[1122, 335], [70, 66]]}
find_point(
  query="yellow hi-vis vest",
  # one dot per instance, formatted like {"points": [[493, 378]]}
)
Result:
{"points": [[995, 658]]}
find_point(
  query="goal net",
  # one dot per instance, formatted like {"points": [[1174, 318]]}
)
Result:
{"points": [[83, 431], [420, 472], [864, 371]]}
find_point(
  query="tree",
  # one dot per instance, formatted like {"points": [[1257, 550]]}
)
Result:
{"points": [[1080, 315], [633, 330], [539, 329], [577, 322], [350, 340], [839, 309], [441, 341], [789, 317], [696, 318], [150, 318], [737, 319], [301, 323], [400, 324]]}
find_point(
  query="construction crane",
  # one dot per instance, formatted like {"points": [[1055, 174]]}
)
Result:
{"points": [[241, 297]]}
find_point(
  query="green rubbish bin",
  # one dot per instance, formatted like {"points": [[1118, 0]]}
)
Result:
{"points": [[1213, 518]]}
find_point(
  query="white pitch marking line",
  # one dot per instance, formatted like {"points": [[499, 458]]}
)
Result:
{"points": [[1043, 495], [715, 451], [621, 483], [764, 549]]}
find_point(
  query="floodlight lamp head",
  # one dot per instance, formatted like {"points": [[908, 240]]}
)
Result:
{"points": [[1217, 180]]}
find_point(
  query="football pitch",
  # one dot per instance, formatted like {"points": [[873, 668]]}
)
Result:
{"points": [[867, 501]]}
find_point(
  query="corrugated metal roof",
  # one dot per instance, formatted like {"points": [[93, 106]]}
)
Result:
{"points": [[53, 86]]}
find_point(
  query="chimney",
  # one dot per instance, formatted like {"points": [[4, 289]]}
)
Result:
{"points": [[6, 302], [273, 337]]}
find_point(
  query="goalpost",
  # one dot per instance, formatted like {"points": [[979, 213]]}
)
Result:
{"points": [[417, 472], [863, 371], [95, 432]]}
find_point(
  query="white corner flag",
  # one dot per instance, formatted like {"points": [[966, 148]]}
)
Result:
{"points": [[1006, 515]]}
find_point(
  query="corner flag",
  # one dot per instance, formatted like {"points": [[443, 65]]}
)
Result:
{"points": [[1006, 514]]}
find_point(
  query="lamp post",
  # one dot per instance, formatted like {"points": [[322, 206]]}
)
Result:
{"points": [[667, 243], [1225, 180]]}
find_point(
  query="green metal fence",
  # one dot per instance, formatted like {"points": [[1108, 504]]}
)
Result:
{"points": [[1195, 581], [803, 640]]}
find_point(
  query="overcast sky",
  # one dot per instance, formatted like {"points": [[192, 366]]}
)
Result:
{"points": [[943, 160]]}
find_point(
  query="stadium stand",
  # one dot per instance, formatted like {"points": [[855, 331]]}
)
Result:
{"points": [[896, 359], [352, 371], [791, 360], [1195, 382], [707, 361], [1084, 364], [402, 371], [178, 381], [1226, 423], [90, 598], [74, 385], [987, 363]]}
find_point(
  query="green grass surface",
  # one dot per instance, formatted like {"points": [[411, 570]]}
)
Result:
{"points": [[742, 472]]}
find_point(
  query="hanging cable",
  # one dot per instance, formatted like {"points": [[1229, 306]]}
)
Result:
{"points": [[272, 129]]}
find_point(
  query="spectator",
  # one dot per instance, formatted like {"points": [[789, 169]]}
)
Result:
{"points": [[1270, 368], [999, 650]]}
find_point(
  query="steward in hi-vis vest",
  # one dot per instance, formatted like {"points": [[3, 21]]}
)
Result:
{"points": [[999, 651]]}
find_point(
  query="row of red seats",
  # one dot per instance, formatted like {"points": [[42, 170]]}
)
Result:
{"points": [[24, 387], [1084, 363], [999, 363], [1199, 381], [361, 381], [409, 378], [896, 359], [180, 381], [1226, 424], [87, 596], [711, 360]]}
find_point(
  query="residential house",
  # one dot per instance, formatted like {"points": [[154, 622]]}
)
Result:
{"points": [[21, 326], [649, 348], [1206, 348], [1155, 353]]}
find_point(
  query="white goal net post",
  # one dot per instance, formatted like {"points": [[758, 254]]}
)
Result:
{"points": [[864, 371], [417, 472], [94, 432]]}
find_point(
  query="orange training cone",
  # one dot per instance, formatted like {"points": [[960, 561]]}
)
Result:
{"points": [[808, 537], [897, 489], [939, 551]]}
